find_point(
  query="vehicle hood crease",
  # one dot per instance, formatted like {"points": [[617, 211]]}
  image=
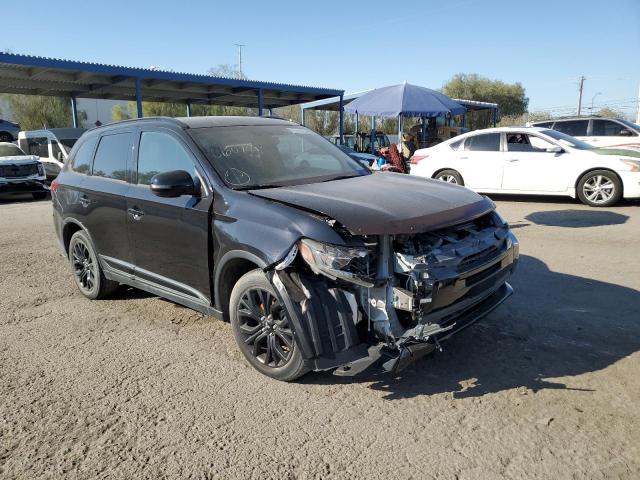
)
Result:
{"points": [[384, 203]]}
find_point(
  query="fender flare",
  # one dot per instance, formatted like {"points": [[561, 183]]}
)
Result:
{"points": [[226, 258]]}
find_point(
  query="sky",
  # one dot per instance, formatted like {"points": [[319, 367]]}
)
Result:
{"points": [[544, 45]]}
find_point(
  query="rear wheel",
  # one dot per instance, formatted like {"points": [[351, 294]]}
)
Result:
{"points": [[600, 188], [261, 328], [6, 137], [86, 270], [450, 176]]}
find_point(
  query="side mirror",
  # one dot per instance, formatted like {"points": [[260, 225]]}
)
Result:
{"points": [[173, 184], [554, 149], [625, 133]]}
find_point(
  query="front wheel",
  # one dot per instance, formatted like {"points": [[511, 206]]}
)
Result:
{"points": [[261, 328], [599, 188], [450, 176]]}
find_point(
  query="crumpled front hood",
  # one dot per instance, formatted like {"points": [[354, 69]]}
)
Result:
{"points": [[385, 203]]}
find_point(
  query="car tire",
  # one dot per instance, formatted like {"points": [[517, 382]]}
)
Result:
{"points": [[39, 195], [450, 176], [87, 272], [600, 188], [6, 137], [261, 328]]}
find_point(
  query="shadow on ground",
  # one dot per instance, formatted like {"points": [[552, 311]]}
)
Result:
{"points": [[556, 325], [22, 198], [576, 218]]}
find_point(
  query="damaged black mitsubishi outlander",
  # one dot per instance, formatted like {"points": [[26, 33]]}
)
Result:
{"points": [[318, 263]]}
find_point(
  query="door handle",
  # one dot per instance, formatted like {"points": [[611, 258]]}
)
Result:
{"points": [[84, 201], [463, 158], [135, 213], [511, 160]]}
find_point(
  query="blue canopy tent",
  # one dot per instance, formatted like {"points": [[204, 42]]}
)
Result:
{"points": [[404, 100]]}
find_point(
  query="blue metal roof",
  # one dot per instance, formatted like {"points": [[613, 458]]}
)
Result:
{"points": [[50, 76]]}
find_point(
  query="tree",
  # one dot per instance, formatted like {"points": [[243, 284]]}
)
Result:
{"points": [[610, 113], [226, 70], [511, 98], [33, 112]]}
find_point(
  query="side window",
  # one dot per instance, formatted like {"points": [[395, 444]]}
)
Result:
{"points": [[575, 128], [111, 156], [83, 157], [543, 124], [456, 145], [489, 142], [38, 146], [607, 128], [521, 142], [160, 153]]}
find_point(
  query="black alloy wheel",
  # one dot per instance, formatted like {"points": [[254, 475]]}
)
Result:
{"points": [[264, 325], [84, 267]]}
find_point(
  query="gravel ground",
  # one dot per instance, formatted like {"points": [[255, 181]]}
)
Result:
{"points": [[547, 386]]}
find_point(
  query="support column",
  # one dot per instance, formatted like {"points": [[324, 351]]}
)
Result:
{"points": [[423, 133], [464, 120], [341, 119], [74, 111], [259, 102], [357, 123], [139, 97], [495, 117], [302, 115], [373, 134], [188, 109], [400, 131]]}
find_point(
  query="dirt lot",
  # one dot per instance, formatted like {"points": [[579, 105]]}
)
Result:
{"points": [[137, 387]]}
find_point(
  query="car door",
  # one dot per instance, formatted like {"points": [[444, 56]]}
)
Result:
{"points": [[609, 133], [479, 160], [170, 236], [530, 166], [102, 198]]}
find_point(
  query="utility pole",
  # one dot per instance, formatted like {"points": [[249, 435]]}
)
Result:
{"points": [[581, 80], [239, 45]]}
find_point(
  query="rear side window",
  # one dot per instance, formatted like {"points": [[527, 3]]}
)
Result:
{"points": [[489, 142], [575, 128], [38, 146], [84, 155], [456, 145], [111, 156], [161, 153]]}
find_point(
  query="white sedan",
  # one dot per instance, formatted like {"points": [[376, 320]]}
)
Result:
{"points": [[530, 160]]}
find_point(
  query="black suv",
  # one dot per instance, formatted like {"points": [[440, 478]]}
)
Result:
{"points": [[318, 263]]}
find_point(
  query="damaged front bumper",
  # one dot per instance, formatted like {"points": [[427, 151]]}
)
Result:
{"points": [[407, 311]]}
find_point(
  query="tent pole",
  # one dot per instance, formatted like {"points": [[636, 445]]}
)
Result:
{"points": [[373, 134], [341, 120]]}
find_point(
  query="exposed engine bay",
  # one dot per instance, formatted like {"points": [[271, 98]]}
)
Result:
{"points": [[393, 297]]}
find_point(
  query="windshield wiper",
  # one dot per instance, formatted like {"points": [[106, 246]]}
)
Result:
{"points": [[340, 177], [258, 186]]}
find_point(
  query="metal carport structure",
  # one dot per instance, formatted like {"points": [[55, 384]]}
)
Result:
{"points": [[30, 75]]}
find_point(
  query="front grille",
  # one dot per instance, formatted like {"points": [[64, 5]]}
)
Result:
{"points": [[13, 170]]}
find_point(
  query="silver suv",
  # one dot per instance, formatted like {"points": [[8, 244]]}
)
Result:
{"points": [[597, 131]]}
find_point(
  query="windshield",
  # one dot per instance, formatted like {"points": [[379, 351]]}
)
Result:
{"points": [[273, 155], [568, 140], [68, 143], [629, 124], [10, 150]]}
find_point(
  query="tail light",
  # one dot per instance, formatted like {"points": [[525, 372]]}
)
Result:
{"points": [[54, 185], [417, 158]]}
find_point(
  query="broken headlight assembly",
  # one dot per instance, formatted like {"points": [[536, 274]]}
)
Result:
{"points": [[333, 260]]}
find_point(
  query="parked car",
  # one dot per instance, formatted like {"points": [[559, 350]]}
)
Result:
{"points": [[312, 257], [365, 159], [21, 173], [8, 131], [531, 160], [52, 146], [597, 131]]}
